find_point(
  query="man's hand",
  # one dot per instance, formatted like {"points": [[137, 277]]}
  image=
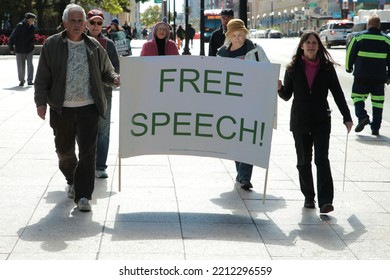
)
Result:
{"points": [[117, 81], [41, 110], [349, 126]]}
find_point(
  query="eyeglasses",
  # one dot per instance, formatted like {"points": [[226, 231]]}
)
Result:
{"points": [[96, 22]]}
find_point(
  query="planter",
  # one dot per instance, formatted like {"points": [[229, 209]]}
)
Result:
{"points": [[4, 50]]}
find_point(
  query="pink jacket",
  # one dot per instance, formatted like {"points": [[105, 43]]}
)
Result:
{"points": [[150, 48]]}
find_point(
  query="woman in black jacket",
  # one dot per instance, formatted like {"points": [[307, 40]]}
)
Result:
{"points": [[309, 77]]}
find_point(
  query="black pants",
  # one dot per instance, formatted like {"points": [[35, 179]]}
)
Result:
{"points": [[77, 124], [304, 149], [360, 94]]}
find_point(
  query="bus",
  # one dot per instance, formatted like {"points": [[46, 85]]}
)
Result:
{"points": [[212, 21]]}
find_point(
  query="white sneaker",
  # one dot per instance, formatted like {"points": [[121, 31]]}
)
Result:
{"points": [[70, 191], [102, 174], [84, 205]]}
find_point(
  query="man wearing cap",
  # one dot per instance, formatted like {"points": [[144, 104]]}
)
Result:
{"points": [[95, 20], [21, 43], [71, 71], [218, 36]]}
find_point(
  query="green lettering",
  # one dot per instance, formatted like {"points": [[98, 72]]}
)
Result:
{"points": [[229, 82], [209, 81], [191, 81], [144, 126], [165, 119], [219, 122], [198, 124], [243, 129], [163, 79], [177, 123]]}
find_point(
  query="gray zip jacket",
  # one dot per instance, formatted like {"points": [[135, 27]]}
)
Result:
{"points": [[51, 73], [251, 51]]}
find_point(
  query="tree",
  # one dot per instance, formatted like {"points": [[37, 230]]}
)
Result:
{"points": [[49, 12], [150, 16]]}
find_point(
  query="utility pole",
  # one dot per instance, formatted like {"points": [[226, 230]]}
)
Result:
{"points": [[243, 11], [186, 47], [201, 27]]}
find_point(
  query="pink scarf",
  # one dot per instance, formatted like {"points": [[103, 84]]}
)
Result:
{"points": [[311, 69]]}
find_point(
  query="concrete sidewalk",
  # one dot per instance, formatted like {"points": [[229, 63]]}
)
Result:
{"points": [[181, 207]]}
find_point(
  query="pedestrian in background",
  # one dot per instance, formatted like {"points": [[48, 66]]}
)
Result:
{"points": [[180, 35], [21, 43], [71, 71], [190, 35], [95, 20], [368, 56], [114, 27], [127, 28], [217, 38], [309, 77], [160, 44], [238, 46]]}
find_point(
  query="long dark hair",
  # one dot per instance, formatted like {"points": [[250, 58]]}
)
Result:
{"points": [[324, 56]]}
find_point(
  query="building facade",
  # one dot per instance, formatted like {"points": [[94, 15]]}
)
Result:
{"points": [[295, 15]]}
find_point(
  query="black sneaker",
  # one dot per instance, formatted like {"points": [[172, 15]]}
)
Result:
{"points": [[326, 208], [309, 203], [362, 123], [30, 83], [246, 185], [21, 84], [375, 132]]}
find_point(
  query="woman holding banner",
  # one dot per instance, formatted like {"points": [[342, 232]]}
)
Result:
{"points": [[238, 46], [309, 77], [160, 43]]}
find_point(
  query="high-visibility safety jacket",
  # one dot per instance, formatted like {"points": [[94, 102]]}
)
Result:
{"points": [[368, 56]]}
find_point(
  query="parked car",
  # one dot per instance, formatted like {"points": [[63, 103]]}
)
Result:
{"points": [[260, 34], [274, 34], [359, 27], [334, 33], [292, 33], [252, 33]]}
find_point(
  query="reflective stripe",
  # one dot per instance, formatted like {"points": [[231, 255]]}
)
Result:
{"points": [[378, 98], [351, 43], [359, 95], [372, 55], [377, 105], [373, 37]]}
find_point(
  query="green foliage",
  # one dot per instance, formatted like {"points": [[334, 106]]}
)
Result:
{"points": [[150, 16], [49, 12]]}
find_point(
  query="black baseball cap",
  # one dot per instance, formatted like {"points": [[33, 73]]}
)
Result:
{"points": [[227, 13]]}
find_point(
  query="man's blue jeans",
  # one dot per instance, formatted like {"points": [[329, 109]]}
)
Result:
{"points": [[103, 140], [244, 172]]}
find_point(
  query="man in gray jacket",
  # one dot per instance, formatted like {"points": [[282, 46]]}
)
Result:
{"points": [[21, 43], [71, 71]]}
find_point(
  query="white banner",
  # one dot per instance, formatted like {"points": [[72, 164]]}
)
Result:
{"points": [[194, 105]]}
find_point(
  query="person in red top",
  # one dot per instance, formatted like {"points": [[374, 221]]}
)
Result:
{"points": [[308, 79], [160, 43]]}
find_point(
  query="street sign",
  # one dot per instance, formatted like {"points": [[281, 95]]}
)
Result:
{"points": [[312, 4], [157, 1]]}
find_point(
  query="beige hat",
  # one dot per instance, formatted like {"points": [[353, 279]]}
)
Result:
{"points": [[236, 25]]}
